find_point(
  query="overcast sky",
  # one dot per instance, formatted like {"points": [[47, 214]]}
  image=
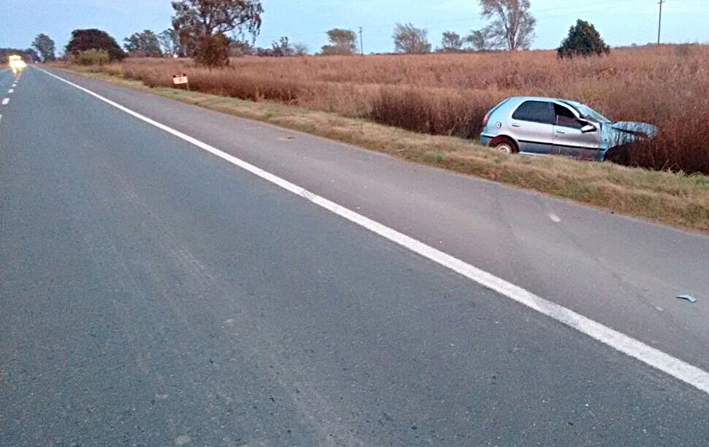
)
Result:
{"points": [[621, 22]]}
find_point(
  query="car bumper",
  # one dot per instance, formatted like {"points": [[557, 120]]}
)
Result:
{"points": [[485, 139]]}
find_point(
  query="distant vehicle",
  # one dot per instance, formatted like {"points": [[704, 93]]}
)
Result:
{"points": [[16, 62], [541, 126]]}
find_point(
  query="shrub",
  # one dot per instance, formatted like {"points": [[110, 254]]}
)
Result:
{"points": [[583, 40], [90, 57], [684, 50], [94, 39], [212, 50]]}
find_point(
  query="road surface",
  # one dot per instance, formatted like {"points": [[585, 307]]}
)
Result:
{"points": [[153, 294]]}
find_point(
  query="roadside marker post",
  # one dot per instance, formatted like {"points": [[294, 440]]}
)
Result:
{"points": [[181, 79]]}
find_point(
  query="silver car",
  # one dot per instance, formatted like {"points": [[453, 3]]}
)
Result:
{"points": [[540, 126]]}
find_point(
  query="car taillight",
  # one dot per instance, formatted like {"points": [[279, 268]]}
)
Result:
{"points": [[486, 119]]}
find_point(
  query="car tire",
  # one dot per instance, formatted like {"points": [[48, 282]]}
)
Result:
{"points": [[504, 144]]}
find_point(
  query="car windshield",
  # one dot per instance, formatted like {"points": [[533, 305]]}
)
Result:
{"points": [[588, 112]]}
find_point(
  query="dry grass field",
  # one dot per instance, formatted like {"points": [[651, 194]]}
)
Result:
{"points": [[448, 94]]}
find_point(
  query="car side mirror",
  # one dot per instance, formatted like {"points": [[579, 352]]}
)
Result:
{"points": [[588, 128]]}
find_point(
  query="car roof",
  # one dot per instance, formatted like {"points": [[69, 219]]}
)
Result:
{"points": [[541, 98]]}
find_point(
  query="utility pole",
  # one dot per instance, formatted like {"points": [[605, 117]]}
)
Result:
{"points": [[361, 42], [659, 26]]}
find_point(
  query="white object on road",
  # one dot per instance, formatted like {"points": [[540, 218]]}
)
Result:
{"points": [[5, 101], [692, 300], [636, 349]]}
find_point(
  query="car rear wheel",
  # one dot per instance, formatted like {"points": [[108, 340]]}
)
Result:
{"points": [[504, 145]]}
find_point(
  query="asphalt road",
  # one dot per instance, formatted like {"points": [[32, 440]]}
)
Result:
{"points": [[152, 294]]}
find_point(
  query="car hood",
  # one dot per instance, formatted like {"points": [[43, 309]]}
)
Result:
{"points": [[624, 132], [638, 129]]}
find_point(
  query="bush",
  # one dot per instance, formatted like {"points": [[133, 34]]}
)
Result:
{"points": [[90, 57], [212, 51], [684, 50], [94, 39]]}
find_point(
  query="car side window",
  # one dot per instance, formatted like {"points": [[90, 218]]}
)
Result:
{"points": [[566, 118], [534, 111]]}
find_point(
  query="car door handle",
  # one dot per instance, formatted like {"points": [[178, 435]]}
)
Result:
{"points": [[561, 132], [515, 125]]}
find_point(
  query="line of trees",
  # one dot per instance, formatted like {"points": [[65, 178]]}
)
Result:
{"points": [[200, 30]]}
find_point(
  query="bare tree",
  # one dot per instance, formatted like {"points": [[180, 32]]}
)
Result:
{"points": [[451, 42], [409, 39], [512, 22]]}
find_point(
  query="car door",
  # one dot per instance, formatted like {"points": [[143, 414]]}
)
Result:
{"points": [[532, 126], [570, 140]]}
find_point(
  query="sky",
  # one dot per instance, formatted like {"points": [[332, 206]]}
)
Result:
{"points": [[620, 22]]}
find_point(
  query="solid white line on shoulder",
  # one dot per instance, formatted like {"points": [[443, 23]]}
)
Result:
{"points": [[666, 363]]}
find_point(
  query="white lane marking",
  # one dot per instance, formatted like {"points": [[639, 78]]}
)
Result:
{"points": [[5, 101], [672, 366], [554, 218], [0, 118], [11, 91]]}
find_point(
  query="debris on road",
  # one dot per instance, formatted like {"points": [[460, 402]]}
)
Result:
{"points": [[688, 298]]}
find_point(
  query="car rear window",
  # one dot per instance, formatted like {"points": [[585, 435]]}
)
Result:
{"points": [[534, 111]]}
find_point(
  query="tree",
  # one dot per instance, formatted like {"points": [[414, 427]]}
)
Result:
{"points": [[45, 46], [94, 39], [170, 42], [451, 42], [583, 40], [212, 50], [409, 39], [145, 44], [342, 42], [202, 26], [300, 49], [282, 48], [240, 48], [483, 40], [512, 23]]}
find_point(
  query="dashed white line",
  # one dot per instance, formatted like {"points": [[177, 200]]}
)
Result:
{"points": [[11, 91], [636, 349], [554, 218], [5, 101]]}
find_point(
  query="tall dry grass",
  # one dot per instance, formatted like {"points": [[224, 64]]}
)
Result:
{"points": [[448, 94]]}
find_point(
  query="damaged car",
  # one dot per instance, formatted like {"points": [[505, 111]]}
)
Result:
{"points": [[541, 126]]}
